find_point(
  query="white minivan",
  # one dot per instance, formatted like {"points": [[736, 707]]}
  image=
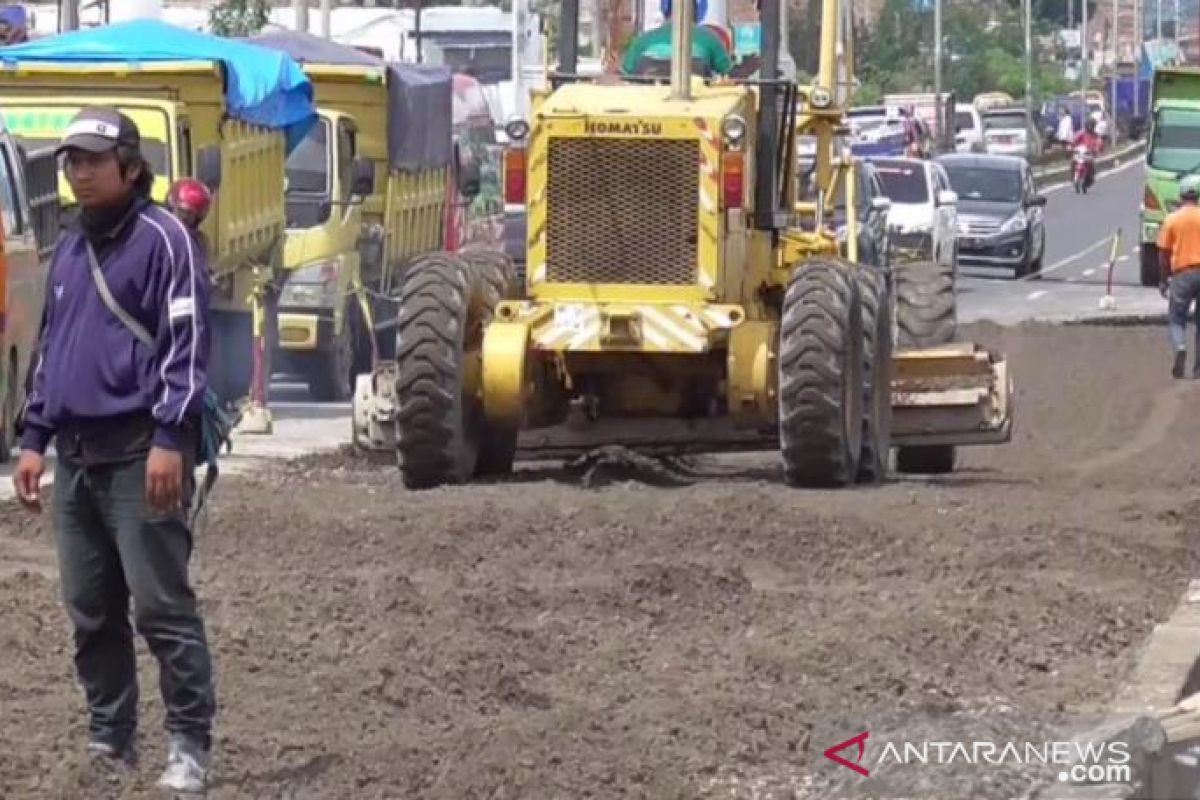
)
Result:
{"points": [[923, 218]]}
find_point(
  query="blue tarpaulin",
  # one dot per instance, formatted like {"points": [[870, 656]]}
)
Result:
{"points": [[263, 87]]}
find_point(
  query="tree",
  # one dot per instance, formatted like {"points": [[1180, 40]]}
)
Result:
{"points": [[238, 17]]}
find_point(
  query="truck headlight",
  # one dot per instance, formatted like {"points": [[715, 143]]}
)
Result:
{"points": [[313, 286], [1015, 223]]}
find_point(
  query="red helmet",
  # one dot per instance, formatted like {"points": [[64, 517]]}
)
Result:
{"points": [[190, 195]]}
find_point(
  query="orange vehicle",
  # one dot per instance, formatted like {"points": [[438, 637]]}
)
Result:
{"points": [[29, 216]]}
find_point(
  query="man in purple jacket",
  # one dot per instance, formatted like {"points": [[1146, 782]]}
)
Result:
{"points": [[124, 418]]}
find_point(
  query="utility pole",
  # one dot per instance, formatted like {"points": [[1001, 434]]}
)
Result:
{"points": [[68, 15], [300, 15], [1084, 45], [939, 112], [1112, 105], [1138, 32], [1175, 24], [326, 17], [1028, 4], [1158, 20]]}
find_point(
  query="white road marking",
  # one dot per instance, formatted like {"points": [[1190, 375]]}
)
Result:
{"points": [[1122, 258], [1071, 259], [1087, 273], [1037, 294]]}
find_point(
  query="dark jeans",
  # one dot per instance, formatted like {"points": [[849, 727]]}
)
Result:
{"points": [[112, 546], [1185, 289]]}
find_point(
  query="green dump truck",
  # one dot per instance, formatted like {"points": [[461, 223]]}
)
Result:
{"points": [[1174, 151], [369, 189]]}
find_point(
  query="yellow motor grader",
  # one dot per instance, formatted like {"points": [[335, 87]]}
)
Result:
{"points": [[681, 296]]}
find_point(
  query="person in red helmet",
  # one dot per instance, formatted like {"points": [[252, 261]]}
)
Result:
{"points": [[189, 200]]}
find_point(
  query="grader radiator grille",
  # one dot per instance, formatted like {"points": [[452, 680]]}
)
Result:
{"points": [[622, 211]]}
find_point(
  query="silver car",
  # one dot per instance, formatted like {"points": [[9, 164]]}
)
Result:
{"points": [[1010, 132]]}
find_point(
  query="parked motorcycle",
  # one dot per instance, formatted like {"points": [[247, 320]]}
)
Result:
{"points": [[1085, 169]]}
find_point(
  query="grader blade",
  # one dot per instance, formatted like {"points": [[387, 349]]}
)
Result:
{"points": [[956, 394]]}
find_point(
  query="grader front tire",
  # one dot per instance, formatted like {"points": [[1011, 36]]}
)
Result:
{"points": [[820, 376], [496, 280], [876, 297], [432, 430]]}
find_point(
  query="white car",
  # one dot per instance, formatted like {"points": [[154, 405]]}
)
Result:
{"points": [[968, 129], [923, 217]]}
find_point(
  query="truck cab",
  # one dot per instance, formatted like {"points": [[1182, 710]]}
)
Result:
{"points": [[28, 231], [1173, 151], [323, 195]]}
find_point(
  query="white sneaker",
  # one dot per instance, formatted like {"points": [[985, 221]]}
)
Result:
{"points": [[187, 767]]}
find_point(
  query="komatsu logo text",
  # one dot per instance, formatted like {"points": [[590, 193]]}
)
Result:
{"points": [[624, 128]]}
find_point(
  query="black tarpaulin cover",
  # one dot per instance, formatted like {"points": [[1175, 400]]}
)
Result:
{"points": [[420, 97]]}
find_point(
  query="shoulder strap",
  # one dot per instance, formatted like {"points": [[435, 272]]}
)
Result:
{"points": [[106, 295]]}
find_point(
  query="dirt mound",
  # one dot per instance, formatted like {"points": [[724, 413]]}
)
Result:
{"points": [[535, 638]]}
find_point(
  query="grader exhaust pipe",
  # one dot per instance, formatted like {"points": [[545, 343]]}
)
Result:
{"points": [[681, 54]]}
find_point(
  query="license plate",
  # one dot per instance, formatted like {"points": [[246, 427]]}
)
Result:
{"points": [[570, 317]]}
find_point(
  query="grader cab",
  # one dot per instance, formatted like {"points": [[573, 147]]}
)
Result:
{"points": [[681, 296]]}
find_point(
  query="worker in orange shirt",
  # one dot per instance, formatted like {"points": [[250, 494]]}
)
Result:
{"points": [[1179, 270]]}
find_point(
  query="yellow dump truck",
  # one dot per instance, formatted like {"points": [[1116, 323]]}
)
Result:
{"points": [[217, 109], [367, 190], [179, 108]]}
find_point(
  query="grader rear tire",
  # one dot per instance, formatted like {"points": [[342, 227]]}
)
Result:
{"points": [[820, 376], [925, 305], [432, 429], [926, 317], [495, 281], [874, 289]]}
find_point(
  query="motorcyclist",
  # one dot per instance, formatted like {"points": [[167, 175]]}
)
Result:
{"points": [[1093, 143]]}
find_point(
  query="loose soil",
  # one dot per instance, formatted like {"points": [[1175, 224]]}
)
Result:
{"points": [[536, 638]]}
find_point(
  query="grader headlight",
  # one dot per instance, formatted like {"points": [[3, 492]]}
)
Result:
{"points": [[820, 98], [517, 130], [734, 129]]}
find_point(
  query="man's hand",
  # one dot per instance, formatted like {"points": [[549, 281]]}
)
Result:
{"points": [[27, 480], [1164, 288], [164, 480]]}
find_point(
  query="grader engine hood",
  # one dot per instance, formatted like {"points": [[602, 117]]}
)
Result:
{"points": [[624, 195]]}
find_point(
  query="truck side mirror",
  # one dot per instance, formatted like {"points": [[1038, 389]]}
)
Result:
{"points": [[208, 167], [469, 180], [363, 182]]}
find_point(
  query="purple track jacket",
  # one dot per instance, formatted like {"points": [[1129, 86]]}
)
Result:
{"points": [[92, 367]]}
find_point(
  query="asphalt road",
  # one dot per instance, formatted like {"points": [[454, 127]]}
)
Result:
{"points": [[1078, 236]]}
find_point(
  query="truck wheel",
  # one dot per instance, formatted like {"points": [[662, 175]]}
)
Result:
{"points": [[495, 280], [232, 366], [1150, 271], [330, 372], [432, 426], [8, 434], [876, 297], [820, 376], [925, 305]]}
